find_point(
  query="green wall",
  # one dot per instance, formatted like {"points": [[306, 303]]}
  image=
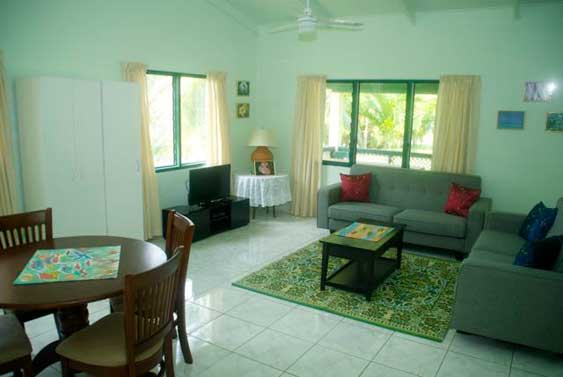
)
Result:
{"points": [[518, 168], [91, 39]]}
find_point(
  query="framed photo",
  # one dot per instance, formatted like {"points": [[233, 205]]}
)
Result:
{"points": [[265, 167], [243, 110], [243, 88], [510, 120], [554, 122], [538, 91]]}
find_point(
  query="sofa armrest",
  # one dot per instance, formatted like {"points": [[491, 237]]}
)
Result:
{"points": [[511, 303], [327, 196], [476, 221], [504, 222]]}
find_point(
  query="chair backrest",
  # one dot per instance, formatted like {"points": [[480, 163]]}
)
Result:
{"points": [[179, 232], [149, 300], [25, 228]]}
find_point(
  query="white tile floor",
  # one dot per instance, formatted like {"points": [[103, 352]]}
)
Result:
{"points": [[237, 333]]}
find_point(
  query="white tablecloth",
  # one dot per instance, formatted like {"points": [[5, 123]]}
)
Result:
{"points": [[263, 190]]}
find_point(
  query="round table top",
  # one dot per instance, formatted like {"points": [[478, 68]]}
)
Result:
{"points": [[136, 256]]}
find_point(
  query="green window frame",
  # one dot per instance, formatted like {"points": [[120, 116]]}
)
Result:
{"points": [[176, 119], [409, 110]]}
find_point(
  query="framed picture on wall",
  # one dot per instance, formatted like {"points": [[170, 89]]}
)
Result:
{"points": [[539, 91], [243, 110], [243, 88], [265, 167], [554, 122], [510, 120]]}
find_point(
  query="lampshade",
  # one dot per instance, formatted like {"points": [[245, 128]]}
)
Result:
{"points": [[262, 137]]}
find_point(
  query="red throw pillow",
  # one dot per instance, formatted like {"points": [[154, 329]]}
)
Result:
{"points": [[355, 188], [461, 199]]}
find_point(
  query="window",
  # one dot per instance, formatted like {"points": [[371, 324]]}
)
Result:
{"points": [[178, 119], [387, 122]]}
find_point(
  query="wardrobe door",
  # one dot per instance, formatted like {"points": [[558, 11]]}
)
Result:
{"points": [[88, 207], [122, 153]]}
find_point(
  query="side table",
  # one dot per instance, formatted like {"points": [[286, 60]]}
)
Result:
{"points": [[263, 190]]}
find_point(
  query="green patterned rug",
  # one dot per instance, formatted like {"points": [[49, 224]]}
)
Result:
{"points": [[416, 300]]}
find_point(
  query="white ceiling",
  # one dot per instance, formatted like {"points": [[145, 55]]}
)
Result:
{"points": [[260, 12]]}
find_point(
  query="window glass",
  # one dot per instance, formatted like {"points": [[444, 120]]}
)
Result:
{"points": [[424, 118], [161, 125], [381, 123], [193, 120], [338, 119]]}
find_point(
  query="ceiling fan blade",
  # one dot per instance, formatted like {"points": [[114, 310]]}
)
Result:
{"points": [[337, 22], [283, 28]]}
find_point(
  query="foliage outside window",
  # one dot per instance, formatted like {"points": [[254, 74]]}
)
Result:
{"points": [[387, 122], [178, 119]]}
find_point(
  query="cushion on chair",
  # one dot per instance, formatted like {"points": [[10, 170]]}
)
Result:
{"points": [[351, 211], [499, 242], [431, 222], [101, 344], [14, 344]]}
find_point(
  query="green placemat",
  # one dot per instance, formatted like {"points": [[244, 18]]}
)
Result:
{"points": [[59, 265]]}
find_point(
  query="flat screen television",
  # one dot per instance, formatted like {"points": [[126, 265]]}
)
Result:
{"points": [[209, 184]]}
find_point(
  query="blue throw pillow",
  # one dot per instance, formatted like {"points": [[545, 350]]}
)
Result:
{"points": [[538, 222], [540, 254]]}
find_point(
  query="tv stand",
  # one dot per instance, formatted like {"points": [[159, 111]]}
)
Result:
{"points": [[213, 217]]}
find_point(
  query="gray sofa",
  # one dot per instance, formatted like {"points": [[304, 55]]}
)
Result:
{"points": [[497, 299], [414, 198]]}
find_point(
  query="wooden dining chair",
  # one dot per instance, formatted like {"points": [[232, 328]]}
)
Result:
{"points": [[133, 342], [15, 348], [23, 229], [179, 232]]}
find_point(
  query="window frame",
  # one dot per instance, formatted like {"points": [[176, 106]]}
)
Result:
{"points": [[409, 110], [176, 120]]}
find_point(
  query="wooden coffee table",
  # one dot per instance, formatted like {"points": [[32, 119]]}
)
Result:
{"points": [[366, 267]]}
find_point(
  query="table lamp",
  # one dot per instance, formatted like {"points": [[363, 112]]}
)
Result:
{"points": [[261, 138]]}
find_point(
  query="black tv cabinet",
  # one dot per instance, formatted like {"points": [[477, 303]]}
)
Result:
{"points": [[216, 217]]}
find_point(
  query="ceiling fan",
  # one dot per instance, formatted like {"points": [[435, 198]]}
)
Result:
{"points": [[308, 24]]}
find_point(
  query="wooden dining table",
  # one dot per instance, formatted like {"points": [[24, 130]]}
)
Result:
{"points": [[69, 300]]}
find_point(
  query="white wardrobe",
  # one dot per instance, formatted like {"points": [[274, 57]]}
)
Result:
{"points": [[80, 153]]}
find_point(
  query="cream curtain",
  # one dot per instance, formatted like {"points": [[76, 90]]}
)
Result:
{"points": [[8, 195], [218, 120], [307, 148], [456, 124], [137, 72]]}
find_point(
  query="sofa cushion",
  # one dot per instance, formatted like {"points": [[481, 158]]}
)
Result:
{"points": [[540, 254], [431, 222], [491, 256], [352, 211], [412, 188], [461, 199], [538, 222], [557, 230], [355, 188], [499, 242]]}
